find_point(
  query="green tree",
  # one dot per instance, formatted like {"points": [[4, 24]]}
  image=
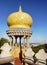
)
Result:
{"points": [[37, 48], [2, 41]]}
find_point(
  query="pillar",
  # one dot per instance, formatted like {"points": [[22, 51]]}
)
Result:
{"points": [[10, 40], [28, 41], [20, 55], [24, 39], [13, 41]]}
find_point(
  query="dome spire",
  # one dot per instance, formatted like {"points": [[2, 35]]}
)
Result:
{"points": [[20, 9], [19, 19]]}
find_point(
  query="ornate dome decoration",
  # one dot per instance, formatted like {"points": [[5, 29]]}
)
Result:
{"points": [[19, 19]]}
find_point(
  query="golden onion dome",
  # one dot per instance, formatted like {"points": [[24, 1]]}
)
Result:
{"points": [[19, 19]]}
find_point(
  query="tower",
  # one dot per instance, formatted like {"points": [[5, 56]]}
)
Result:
{"points": [[19, 26]]}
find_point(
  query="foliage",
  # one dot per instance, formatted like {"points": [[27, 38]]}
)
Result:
{"points": [[2, 41], [37, 48], [0, 51]]}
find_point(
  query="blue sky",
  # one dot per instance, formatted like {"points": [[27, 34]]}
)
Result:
{"points": [[36, 8]]}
